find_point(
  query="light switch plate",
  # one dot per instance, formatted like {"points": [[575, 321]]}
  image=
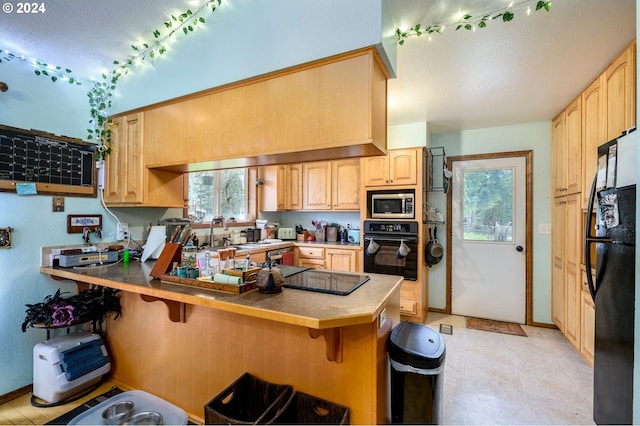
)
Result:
{"points": [[544, 229]]}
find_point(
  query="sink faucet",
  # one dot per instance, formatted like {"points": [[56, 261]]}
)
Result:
{"points": [[216, 220]]}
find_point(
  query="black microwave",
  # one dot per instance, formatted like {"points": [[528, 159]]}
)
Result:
{"points": [[392, 205]]}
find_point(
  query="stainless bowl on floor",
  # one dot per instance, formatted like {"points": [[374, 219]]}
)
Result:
{"points": [[145, 418], [117, 413]]}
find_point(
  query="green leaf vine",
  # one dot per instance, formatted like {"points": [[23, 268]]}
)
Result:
{"points": [[102, 91], [469, 22]]}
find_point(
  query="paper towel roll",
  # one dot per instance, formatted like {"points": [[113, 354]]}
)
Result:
{"points": [[155, 243], [227, 279]]}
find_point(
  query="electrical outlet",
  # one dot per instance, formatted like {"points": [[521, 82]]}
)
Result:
{"points": [[382, 318], [122, 231]]}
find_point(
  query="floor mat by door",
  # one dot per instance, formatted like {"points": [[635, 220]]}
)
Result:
{"points": [[495, 326]]}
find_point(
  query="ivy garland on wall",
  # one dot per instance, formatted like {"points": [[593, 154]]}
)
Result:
{"points": [[470, 21], [102, 91]]}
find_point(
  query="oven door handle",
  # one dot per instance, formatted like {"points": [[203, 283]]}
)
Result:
{"points": [[392, 239]]}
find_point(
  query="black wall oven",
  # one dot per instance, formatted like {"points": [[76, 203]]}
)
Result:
{"points": [[391, 248]]}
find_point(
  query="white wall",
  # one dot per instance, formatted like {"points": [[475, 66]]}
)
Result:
{"points": [[407, 135], [245, 38]]}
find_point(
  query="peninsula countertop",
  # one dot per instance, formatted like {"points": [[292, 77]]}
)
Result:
{"points": [[291, 306]]}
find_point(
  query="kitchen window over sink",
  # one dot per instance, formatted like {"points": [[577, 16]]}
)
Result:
{"points": [[219, 193]]}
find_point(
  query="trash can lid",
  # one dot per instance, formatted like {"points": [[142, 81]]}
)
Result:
{"points": [[416, 345]]}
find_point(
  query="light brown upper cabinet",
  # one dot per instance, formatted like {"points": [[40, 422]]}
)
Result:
{"points": [[327, 109], [574, 146], [282, 187], [608, 109], [331, 185], [593, 132], [567, 150], [127, 181], [399, 167], [620, 78]]}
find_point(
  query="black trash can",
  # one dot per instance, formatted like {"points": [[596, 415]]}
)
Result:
{"points": [[416, 354]]}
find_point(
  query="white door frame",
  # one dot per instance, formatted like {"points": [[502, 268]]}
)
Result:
{"points": [[529, 224]]}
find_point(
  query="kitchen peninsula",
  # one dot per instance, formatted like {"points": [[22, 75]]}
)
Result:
{"points": [[190, 343]]}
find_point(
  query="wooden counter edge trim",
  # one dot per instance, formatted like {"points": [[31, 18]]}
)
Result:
{"points": [[221, 305]]}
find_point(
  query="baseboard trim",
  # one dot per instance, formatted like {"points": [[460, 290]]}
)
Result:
{"points": [[16, 394]]}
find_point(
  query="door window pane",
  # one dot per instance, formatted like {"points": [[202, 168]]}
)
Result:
{"points": [[488, 205]]}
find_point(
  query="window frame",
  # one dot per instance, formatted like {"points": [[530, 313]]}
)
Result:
{"points": [[251, 198]]}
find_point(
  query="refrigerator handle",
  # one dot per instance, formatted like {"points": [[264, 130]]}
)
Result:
{"points": [[588, 240]]}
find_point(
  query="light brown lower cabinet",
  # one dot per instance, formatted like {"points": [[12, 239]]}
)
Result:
{"points": [[588, 322], [341, 260], [408, 307], [327, 258], [309, 257]]}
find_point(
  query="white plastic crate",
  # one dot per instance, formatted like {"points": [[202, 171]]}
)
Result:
{"points": [[66, 365]]}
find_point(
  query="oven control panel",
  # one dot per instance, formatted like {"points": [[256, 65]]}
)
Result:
{"points": [[394, 227]]}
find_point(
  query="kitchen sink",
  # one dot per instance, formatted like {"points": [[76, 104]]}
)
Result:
{"points": [[259, 244]]}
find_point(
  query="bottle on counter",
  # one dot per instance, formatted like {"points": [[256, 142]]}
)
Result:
{"points": [[189, 255], [205, 271]]}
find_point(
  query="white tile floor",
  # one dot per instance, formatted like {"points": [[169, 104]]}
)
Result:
{"points": [[493, 378]]}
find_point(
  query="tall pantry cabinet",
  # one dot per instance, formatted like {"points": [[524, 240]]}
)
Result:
{"points": [[566, 219], [601, 112]]}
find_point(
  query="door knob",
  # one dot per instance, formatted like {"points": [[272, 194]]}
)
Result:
{"points": [[519, 248]]}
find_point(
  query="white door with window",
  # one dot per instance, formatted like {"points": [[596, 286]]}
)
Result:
{"points": [[488, 239]]}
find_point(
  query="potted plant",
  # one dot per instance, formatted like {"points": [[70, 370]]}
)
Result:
{"points": [[90, 305]]}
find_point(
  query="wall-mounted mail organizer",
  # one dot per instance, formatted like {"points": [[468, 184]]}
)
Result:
{"points": [[436, 173], [35, 162]]}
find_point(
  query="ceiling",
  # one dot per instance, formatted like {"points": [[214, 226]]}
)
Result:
{"points": [[521, 71]]}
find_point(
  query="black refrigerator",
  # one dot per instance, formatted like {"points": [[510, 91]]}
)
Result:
{"points": [[613, 195]]}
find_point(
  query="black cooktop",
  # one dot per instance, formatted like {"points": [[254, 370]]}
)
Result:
{"points": [[340, 283]]}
